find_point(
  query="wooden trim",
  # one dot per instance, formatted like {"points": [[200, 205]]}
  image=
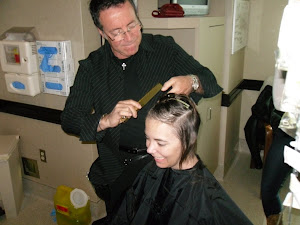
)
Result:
{"points": [[30, 111], [254, 85]]}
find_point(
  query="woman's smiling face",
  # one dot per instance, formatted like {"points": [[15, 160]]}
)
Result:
{"points": [[163, 144]]}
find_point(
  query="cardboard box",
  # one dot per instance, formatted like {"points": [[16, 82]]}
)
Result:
{"points": [[59, 50], [56, 66], [58, 85]]}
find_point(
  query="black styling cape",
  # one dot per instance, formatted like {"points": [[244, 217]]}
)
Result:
{"points": [[183, 197]]}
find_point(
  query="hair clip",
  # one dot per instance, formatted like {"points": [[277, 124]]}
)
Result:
{"points": [[186, 105], [172, 96]]}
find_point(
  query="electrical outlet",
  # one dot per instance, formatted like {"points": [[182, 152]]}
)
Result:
{"points": [[43, 155]]}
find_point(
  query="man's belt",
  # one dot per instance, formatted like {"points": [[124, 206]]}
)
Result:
{"points": [[133, 154], [129, 160]]}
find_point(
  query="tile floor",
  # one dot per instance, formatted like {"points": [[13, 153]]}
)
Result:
{"points": [[241, 183]]}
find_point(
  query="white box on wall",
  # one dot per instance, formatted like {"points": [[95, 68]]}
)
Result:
{"points": [[23, 84], [60, 50], [18, 57], [62, 75], [57, 66], [56, 84]]}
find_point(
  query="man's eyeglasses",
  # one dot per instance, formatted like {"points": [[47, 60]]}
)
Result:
{"points": [[120, 34]]}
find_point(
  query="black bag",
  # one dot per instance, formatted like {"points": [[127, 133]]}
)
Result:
{"points": [[262, 111]]}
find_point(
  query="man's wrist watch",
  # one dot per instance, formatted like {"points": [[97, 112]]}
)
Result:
{"points": [[195, 82]]}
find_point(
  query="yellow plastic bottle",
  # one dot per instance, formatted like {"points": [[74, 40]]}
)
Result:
{"points": [[72, 206]]}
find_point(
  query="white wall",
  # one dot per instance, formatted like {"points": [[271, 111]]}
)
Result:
{"points": [[68, 160], [264, 24]]}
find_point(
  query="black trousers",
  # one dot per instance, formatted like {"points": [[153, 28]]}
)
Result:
{"points": [[255, 135], [275, 173], [113, 193]]}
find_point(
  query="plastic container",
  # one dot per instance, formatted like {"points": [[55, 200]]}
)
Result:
{"points": [[72, 206], [23, 84], [18, 52]]}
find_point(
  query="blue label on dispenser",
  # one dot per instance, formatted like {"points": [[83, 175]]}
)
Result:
{"points": [[48, 52], [55, 86], [18, 85]]}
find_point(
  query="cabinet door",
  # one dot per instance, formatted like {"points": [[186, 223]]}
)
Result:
{"points": [[209, 131], [210, 51], [210, 54]]}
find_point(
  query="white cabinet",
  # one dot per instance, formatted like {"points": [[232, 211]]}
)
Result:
{"points": [[202, 37]]}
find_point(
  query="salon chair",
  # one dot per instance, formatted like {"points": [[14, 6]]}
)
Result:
{"points": [[267, 143]]}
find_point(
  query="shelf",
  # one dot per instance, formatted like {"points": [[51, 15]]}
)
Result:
{"points": [[180, 22]]}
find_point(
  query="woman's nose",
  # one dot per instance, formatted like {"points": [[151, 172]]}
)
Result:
{"points": [[150, 148]]}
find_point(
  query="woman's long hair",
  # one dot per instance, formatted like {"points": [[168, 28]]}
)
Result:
{"points": [[180, 112]]}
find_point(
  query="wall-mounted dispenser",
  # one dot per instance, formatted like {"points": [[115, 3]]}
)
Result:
{"points": [[23, 84], [56, 66], [18, 56]]}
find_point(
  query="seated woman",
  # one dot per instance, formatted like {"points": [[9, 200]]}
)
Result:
{"points": [[176, 188]]}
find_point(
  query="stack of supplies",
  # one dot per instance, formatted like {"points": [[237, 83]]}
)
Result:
{"points": [[56, 66]]}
